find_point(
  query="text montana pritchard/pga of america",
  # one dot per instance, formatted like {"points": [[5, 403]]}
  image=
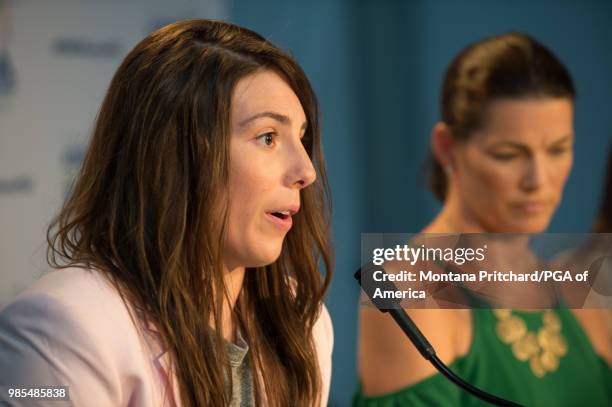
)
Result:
{"points": [[484, 276]]}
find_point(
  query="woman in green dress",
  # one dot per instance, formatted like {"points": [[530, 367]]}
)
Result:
{"points": [[502, 153]]}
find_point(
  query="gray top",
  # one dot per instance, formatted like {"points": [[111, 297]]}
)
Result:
{"points": [[243, 391]]}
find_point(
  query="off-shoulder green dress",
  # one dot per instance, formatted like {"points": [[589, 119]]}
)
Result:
{"points": [[582, 378]]}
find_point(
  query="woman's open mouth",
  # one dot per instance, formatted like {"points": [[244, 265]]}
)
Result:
{"points": [[281, 219]]}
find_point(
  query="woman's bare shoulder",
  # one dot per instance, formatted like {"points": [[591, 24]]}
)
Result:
{"points": [[597, 324], [388, 361]]}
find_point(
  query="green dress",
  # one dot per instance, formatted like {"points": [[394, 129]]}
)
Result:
{"points": [[582, 378]]}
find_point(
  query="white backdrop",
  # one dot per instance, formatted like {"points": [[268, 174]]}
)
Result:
{"points": [[64, 53]]}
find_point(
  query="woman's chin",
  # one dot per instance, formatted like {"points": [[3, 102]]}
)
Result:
{"points": [[265, 257], [530, 227]]}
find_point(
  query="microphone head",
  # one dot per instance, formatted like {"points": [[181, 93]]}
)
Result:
{"points": [[357, 275], [365, 277]]}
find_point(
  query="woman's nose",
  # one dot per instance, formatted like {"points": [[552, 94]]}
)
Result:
{"points": [[302, 172]]}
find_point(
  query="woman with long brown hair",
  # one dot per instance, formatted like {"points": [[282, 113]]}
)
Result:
{"points": [[189, 248]]}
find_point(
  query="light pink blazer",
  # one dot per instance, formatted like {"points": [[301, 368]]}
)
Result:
{"points": [[71, 328]]}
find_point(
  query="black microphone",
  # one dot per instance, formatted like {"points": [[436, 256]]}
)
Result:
{"points": [[393, 307]]}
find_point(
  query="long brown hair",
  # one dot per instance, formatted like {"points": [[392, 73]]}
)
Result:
{"points": [[149, 210], [512, 65]]}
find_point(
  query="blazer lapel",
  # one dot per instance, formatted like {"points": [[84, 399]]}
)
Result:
{"points": [[163, 365]]}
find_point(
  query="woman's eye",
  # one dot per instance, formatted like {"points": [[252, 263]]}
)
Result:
{"points": [[557, 150], [504, 156], [267, 139]]}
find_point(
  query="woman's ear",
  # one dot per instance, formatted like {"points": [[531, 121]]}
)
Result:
{"points": [[442, 144]]}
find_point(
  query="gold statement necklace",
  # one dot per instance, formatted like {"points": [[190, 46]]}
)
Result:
{"points": [[542, 349]]}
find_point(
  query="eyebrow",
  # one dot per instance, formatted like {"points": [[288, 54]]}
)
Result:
{"points": [[522, 146], [281, 118]]}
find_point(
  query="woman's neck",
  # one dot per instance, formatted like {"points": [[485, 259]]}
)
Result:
{"points": [[503, 252], [452, 219], [234, 280]]}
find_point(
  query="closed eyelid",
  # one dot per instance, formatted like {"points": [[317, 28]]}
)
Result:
{"points": [[509, 150], [566, 142]]}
